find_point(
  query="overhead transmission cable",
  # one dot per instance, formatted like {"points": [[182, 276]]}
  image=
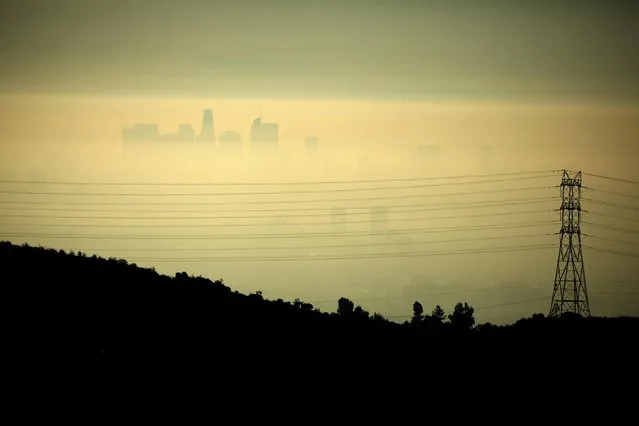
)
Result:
{"points": [[390, 208], [479, 308], [609, 204], [614, 240], [611, 228], [259, 202], [409, 219], [313, 247], [610, 251], [285, 235], [611, 178], [296, 192], [605, 191], [345, 257], [588, 212], [385, 180]]}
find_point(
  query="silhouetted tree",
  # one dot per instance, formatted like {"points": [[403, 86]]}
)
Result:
{"points": [[345, 306], [359, 312], [418, 313], [438, 314], [302, 305], [378, 318], [462, 317]]}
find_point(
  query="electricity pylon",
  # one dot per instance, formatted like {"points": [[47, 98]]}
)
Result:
{"points": [[569, 292]]}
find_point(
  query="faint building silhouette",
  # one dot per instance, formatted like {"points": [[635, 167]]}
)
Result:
{"points": [[264, 135], [230, 136], [186, 133], [207, 133], [231, 142], [141, 132]]}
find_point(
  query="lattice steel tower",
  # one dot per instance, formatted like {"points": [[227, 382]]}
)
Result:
{"points": [[569, 292]]}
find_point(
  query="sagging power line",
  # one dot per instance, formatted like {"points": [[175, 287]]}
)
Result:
{"points": [[340, 182], [295, 192]]}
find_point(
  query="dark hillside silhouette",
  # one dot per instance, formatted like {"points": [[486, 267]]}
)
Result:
{"points": [[83, 309]]}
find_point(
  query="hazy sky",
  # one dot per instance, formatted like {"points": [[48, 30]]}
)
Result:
{"points": [[330, 48]]}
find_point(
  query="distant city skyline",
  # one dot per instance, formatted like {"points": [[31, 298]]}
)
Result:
{"points": [[259, 131], [263, 136]]}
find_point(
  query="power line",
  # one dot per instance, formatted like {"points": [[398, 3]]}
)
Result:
{"points": [[36, 182], [316, 247], [404, 219], [259, 202], [276, 235], [612, 240], [520, 302], [324, 209], [615, 252], [612, 228], [616, 179], [605, 191], [608, 204], [541, 299], [611, 215], [445, 293], [417, 297], [342, 257], [180, 194], [480, 308]]}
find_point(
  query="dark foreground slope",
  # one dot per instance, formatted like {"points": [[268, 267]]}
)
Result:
{"points": [[93, 311]]}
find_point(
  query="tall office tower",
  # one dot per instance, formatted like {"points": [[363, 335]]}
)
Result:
{"points": [[264, 136], [186, 132], [208, 129], [264, 132]]}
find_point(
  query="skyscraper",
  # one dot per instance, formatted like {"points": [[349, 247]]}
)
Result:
{"points": [[264, 132], [208, 129], [186, 133]]}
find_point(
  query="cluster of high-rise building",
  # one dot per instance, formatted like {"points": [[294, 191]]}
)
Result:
{"points": [[151, 132], [263, 135]]}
